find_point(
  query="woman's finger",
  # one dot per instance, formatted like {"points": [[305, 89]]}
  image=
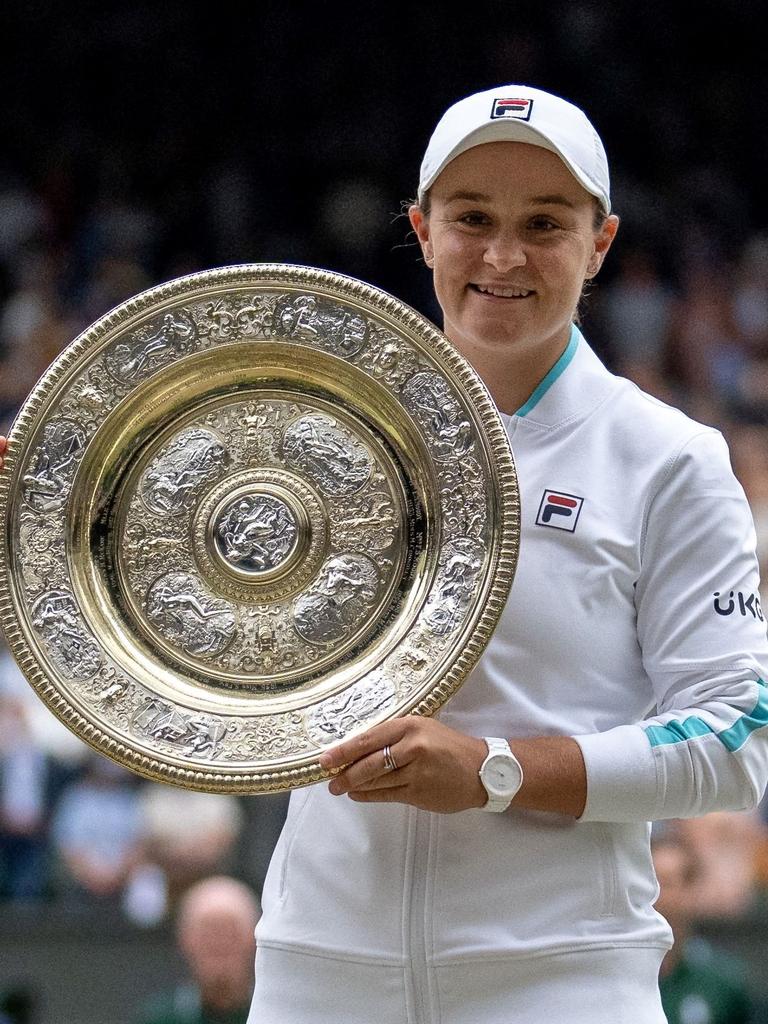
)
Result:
{"points": [[368, 769], [390, 780], [367, 743]]}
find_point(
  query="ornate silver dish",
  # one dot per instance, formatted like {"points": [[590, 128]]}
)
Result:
{"points": [[248, 513]]}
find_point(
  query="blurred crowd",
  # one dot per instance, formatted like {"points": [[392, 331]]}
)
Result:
{"points": [[161, 170], [79, 830]]}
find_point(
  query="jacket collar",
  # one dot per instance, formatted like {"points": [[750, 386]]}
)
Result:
{"points": [[575, 385]]}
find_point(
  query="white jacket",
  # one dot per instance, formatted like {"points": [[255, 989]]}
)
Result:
{"points": [[635, 595]]}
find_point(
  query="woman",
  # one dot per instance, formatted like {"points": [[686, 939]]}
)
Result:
{"points": [[637, 559], [534, 899]]}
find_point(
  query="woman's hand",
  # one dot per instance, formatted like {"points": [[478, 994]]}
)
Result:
{"points": [[3, 446], [436, 766]]}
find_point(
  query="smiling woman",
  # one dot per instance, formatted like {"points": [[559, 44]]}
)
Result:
{"points": [[510, 265], [494, 865]]}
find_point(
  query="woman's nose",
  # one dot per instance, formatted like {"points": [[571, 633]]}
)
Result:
{"points": [[504, 252]]}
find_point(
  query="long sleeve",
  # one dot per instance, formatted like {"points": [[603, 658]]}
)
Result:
{"points": [[702, 634]]}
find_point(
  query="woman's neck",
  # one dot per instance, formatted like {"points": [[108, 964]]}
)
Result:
{"points": [[511, 376]]}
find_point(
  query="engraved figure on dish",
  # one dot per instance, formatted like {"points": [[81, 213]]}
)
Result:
{"points": [[338, 601], [335, 719], [256, 533], [55, 616], [137, 357], [389, 359], [175, 476], [47, 483], [162, 720], [186, 615], [203, 736], [432, 401], [304, 317], [371, 522], [328, 453], [453, 595]]}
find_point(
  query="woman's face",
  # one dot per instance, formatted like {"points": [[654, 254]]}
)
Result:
{"points": [[511, 238]]}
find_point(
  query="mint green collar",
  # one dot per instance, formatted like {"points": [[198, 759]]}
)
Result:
{"points": [[560, 366]]}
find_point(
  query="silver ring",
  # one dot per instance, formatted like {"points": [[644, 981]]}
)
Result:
{"points": [[390, 764]]}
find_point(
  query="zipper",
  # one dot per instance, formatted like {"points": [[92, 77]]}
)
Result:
{"points": [[417, 938]]}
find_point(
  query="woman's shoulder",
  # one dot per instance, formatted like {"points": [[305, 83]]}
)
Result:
{"points": [[647, 423]]}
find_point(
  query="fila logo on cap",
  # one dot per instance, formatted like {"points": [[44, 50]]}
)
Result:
{"points": [[559, 510], [517, 108]]}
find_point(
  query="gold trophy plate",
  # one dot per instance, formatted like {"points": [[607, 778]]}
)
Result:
{"points": [[247, 514]]}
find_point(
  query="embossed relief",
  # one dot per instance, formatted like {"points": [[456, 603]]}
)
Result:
{"points": [[463, 499], [193, 735], [336, 717], [148, 546], [433, 403], [269, 738], [255, 532], [176, 475], [389, 359], [188, 616], [48, 480], [135, 356], [41, 555], [268, 644], [88, 402], [328, 453], [338, 601], [68, 643], [258, 431], [240, 316], [369, 522], [461, 564], [307, 317]]}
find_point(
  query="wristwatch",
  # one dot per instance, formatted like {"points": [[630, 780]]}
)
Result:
{"points": [[501, 774]]}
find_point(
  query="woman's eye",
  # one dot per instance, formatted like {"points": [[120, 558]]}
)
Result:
{"points": [[473, 219], [543, 224]]}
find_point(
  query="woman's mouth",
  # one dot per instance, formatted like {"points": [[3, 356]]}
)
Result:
{"points": [[500, 292]]}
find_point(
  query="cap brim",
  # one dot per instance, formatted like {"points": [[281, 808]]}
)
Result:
{"points": [[512, 131]]}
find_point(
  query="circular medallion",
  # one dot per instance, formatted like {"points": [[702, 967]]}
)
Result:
{"points": [[247, 514], [254, 532]]}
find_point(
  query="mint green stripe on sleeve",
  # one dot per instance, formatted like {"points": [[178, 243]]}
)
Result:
{"points": [[732, 738]]}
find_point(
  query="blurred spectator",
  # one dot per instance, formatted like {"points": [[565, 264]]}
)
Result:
{"points": [[23, 220], [17, 1005], [707, 348], [23, 808], [749, 456], [97, 832], [215, 932], [186, 836], [33, 327], [636, 309], [727, 846], [698, 984], [31, 778], [751, 298]]}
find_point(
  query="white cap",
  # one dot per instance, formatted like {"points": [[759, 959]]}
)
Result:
{"points": [[519, 113]]}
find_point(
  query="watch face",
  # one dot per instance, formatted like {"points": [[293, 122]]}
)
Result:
{"points": [[501, 776]]}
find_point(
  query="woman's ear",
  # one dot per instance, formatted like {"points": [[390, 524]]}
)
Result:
{"points": [[603, 240], [420, 224]]}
